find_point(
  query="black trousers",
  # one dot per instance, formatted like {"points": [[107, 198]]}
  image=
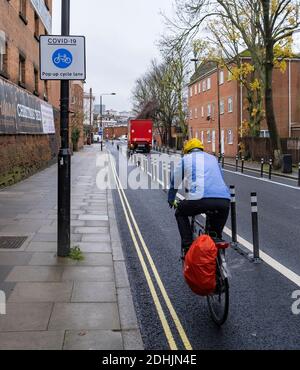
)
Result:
{"points": [[216, 222]]}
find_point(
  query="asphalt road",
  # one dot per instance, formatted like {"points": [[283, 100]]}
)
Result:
{"points": [[261, 298]]}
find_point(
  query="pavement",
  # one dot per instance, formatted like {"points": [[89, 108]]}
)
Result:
{"points": [[63, 304]]}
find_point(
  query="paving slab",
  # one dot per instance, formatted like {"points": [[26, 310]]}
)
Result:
{"points": [[15, 258], [100, 340], [30, 341], [96, 259], [94, 292], [80, 316], [42, 292], [35, 274], [99, 247], [25, 317], [88, 273], [91, 230], [42, 247], [91, 217], [50, 259], [96, 238]]}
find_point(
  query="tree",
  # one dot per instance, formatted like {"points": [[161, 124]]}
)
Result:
{"points": [[265, 28], [156, 86]]}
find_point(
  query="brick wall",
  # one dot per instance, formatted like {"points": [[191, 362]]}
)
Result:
{"points": [[22, 155]]}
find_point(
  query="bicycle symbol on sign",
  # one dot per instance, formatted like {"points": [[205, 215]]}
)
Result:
{"points": [[62, 58]]}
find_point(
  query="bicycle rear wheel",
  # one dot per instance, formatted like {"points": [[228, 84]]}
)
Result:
{"points": [[218, 302]]}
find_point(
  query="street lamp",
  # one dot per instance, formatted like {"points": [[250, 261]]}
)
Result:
{"points": [[101, 114]]}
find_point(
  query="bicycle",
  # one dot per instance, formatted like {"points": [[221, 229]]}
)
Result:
{"points": [[218, 302], [62, 58]]}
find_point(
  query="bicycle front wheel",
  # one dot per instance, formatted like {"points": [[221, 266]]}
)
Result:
{"points": [[218, 302]]}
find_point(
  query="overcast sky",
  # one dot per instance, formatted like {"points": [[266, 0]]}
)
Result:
{"points": [[121, 38]]}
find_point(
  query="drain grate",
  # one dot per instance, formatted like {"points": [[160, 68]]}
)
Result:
{"points": [[12, 242]]}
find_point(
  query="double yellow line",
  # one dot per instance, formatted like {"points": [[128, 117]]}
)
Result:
{"points": [[132, 224]]}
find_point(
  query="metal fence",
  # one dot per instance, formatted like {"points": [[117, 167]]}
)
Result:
{"points": [[257, 148]]}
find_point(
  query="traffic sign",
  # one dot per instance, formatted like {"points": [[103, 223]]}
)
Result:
{"points": [[62, 58]]}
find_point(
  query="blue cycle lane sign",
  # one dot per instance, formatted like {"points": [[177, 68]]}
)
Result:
{"points": [[62, 58]]}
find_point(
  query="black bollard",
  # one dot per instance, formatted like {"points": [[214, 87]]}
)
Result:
{"points": [[254, 212], [233, 214], [299, 175], [270, 168], [223, 160], [237, 163], [262, 168], [243, 164]]}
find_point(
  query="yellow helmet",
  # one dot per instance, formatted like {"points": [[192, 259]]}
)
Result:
{"points": [[193, 144]]}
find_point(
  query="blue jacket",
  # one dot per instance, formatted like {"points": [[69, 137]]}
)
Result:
{"points": [[201, 177]]}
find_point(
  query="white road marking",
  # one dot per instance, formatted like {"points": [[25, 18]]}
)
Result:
{"points": [[264, 180]]}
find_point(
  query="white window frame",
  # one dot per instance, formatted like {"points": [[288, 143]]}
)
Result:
{"points": [[191, 113], [208, 83], [230, 104], [204, 86], [196, 113], [195, 89], [202, 136], [222, 106], [221, 77], [208, 133], [199, 87], [230, 137], [191, 92], [202, 111], [208, 110]]}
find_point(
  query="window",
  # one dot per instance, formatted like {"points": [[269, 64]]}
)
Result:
{"points": [[202, 111], [222, 107], [195, 89], [208, 137], [36, 26], [21, 70], [3, 54], [196, 112], [204, 86], [264, 133], [221, 77], [202, 136], [199, 87], [36, 81], [191, 92], [230, 76], [197, 134], [22, 10], [230, 105], [208, 110], [230, 137], [191, 114], [209, 83]]}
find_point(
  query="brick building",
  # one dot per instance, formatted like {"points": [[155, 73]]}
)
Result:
{"points": [[76, 110], [29, 107], [203, 106]]}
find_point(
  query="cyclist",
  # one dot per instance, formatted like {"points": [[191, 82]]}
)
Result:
{"points": [[205, 189]]}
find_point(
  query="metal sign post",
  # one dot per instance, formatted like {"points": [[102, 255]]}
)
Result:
{"points": [[64, 157], [63, 58]]}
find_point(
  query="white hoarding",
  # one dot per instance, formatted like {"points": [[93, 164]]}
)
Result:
{"points": [[47, 119]]}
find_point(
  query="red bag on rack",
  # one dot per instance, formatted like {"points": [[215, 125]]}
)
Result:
{"points": [[200, 266]]}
